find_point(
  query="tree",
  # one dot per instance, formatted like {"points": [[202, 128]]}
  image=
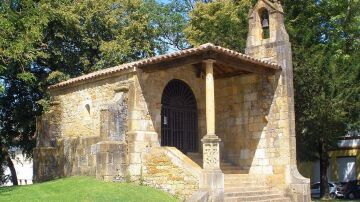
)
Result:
{"points": [[21, 25], [325, 39], [170, 20], [223, 23], [326, 66], [43, 42]]}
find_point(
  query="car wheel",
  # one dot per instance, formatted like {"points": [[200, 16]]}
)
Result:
{"points": [[332, 195], [351, 195]]}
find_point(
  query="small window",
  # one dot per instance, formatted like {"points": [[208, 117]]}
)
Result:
{"points": [[87, 106], [265, 23]]}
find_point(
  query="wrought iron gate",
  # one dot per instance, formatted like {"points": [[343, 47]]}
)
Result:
{"points": [[179, 117]]}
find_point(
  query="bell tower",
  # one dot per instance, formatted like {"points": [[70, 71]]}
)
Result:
{"points": [[267, 37], [268, 40]]}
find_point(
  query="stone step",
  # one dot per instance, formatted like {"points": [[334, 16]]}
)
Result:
{"points": [[233, 171], [245, 178], [250, 187], [247, 189], [249, 193], [246, 185], [256, 197], [236, 199], [254, 182]]}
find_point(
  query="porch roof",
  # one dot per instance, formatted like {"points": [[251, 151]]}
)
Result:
{"points": [[227, 63]]}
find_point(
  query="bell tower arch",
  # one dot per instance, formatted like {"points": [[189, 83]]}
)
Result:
{"points": [[267, 33]]}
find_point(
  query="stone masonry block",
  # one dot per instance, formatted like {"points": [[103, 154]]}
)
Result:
{"points": [[134, 169], [135, 158], [260, 153], [119, 157]]}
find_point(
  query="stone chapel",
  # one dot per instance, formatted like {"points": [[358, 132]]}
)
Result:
{"points": [[204, 124]]}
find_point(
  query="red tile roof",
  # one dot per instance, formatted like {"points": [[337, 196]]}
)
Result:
{"points": [[179, 54]]}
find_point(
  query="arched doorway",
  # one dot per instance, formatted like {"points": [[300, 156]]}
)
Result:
{"points": [[179, 117]]}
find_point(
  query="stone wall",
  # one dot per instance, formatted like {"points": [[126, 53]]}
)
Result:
{"points": [[81, 105], [144, 131], [152, 86], [111, 160], [45, 164], [249, 123], [85, 130], [70, 156], [173, 173], [106, 128], [75, 156]]}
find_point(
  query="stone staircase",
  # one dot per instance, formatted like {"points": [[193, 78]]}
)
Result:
{"points": [[249, 187], [240, 186]]}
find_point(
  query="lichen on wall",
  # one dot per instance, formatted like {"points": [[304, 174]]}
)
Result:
{"points": [[159, 171], [81, 105]]}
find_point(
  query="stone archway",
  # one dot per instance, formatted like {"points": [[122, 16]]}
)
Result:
{"points": [[179, 122]]}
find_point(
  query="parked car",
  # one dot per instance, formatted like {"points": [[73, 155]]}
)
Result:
{"points": [[350, 189], [315, 190], [339, 187]]}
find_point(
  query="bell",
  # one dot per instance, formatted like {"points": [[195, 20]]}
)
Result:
{"points": [[265, 23]]}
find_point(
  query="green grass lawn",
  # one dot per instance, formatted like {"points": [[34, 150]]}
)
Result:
{"points": [[83, 189]]}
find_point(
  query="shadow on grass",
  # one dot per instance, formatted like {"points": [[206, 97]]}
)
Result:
{"points": [[6, 190]]}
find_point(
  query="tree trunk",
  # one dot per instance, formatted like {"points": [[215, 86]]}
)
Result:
{"points": [[324, 163], [13, 178]]}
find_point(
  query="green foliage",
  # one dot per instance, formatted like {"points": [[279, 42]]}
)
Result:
{"points": [[43, 42], [2, 88], [56, 77], [326, 71], [27, 77], [83, 36], [223, 23], [21, 31], [83, 189], [170, 20]]}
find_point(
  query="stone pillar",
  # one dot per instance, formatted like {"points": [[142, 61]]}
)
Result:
{"points": [[212, 177], [210, 98]]}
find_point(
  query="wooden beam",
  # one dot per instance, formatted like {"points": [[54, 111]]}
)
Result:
{"points": [[232, 74], [172, 63], [243, 65], [218, 68]]}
